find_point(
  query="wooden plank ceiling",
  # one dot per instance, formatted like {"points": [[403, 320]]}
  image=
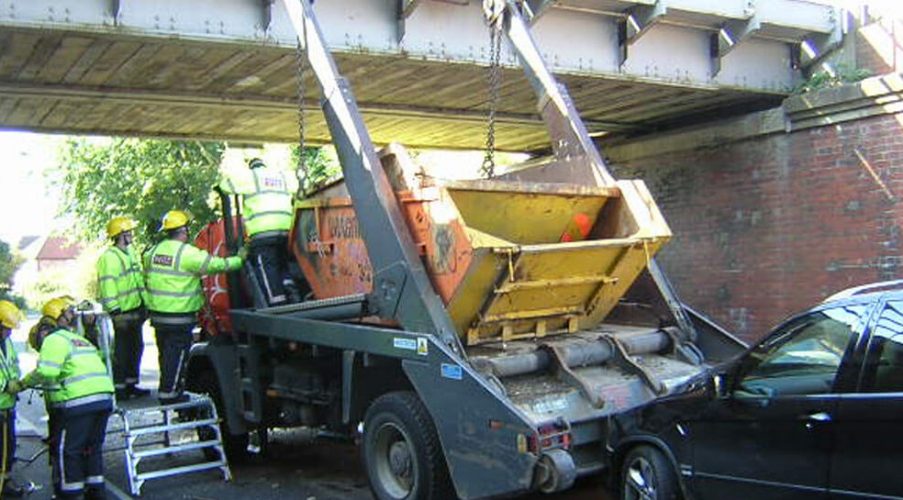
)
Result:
{"points": [[85, 83]]}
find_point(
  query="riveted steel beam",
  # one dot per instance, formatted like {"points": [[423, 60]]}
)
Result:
{"points": [[115, 11], [729, 36], [818, 45], [452, 31], [404, 9], [536, 8], [266, 19], [637, 22]]}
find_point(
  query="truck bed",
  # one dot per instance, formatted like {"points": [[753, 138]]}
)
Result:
{"points": [[546, 393]]}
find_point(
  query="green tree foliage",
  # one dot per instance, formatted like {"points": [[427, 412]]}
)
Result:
{"points": [[841, 75], [321, 167], [137, 177], [9, 264]]}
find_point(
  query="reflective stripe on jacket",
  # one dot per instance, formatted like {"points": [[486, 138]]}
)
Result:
{"points": [[266, 198], [40, 331], [68, 359], [173, 271], [119, 280], [9, 370]]}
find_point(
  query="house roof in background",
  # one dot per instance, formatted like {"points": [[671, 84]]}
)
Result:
{"points": [[26, 241], [59, 248]]}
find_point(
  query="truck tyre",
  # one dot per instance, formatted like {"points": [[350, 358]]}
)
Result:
{"points": [[401, 451], [646, 474], [235, 445]]}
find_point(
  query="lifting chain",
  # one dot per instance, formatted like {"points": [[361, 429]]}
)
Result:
{"points": [[301, 172], [495, 82]]}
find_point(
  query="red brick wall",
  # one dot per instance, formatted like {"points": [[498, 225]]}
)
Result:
{"points": [[772, 225]]}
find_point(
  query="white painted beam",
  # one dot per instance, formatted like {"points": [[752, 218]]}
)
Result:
{"points": [[405, 9], [572, 39], [637, 21], [536, 8], [817, 45], [731, 34]]}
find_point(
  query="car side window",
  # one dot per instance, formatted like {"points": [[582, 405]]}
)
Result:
{"points": [[804, 357], [884, 365]]}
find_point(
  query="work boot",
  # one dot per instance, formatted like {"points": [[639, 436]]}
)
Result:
{"points": [[12, 490], [67, 496], [122, 394], [291, 290], [137, 392], [99, 493]]}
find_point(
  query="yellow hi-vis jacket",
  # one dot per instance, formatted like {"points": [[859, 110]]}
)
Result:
{"points": [[68, 359], [9, 371], [120, 280], [40, 331], [173, 271], [267, 195]]}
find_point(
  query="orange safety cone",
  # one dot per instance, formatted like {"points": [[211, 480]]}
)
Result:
{"points": [[577, 229]]}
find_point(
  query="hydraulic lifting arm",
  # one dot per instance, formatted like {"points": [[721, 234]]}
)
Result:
{"points": [[401, 287], [577, 159]]}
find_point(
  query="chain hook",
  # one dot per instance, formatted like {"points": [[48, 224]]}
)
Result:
{"points": [[493, 10]]}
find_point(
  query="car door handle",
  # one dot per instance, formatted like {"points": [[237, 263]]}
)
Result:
{"points": [[819, 417], [816, 418]]}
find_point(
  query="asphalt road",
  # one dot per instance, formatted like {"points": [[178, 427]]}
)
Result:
{"points": [[297, 465]]}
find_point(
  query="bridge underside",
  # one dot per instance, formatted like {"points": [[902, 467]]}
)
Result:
{"points": [[59, 74]]}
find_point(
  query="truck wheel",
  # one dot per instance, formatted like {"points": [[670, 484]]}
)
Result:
{"points": [[235, 446], [401, 451], [646, 474]]}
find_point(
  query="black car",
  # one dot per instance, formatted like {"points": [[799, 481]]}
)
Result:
{"points": [[815, 410]]}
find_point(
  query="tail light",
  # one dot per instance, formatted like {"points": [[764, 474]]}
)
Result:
{"points": [[550, 436]]}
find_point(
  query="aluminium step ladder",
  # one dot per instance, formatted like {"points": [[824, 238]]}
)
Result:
{"points": [[175, 429]]}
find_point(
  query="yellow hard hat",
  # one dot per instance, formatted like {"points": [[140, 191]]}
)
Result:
{"points": [[174, 219], [9, 314], [119, 224], [39, 332], [54, 308]]}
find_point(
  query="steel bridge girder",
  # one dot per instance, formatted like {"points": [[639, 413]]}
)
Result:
{"points": [[453, 32]]}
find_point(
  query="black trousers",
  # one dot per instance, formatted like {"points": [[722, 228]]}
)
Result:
{"points": [[8, 437], [269, 259], [78, 436], [173, 343], [52, 423], [128, 347]]}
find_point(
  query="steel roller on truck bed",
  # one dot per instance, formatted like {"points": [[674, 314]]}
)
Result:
{"points": [[479, 331]]}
